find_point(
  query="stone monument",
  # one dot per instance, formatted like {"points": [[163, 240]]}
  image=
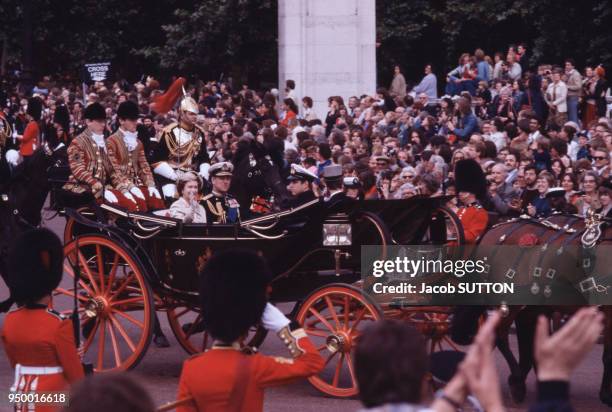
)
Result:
{"points": [[328, 48]]}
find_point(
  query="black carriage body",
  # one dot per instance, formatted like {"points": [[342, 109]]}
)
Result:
{"points": [[172, 253]]}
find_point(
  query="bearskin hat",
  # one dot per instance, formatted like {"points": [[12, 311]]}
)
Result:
{"points": [[62, 116], [469, 177], [128, 110], [35, 107], [34, 266], [95, 111], [233, 293]]}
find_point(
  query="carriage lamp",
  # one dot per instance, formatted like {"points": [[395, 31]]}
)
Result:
{"points": [[337, 234]]}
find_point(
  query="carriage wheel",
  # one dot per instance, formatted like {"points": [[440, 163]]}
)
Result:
{"points": [[333, 317], [452, 225], [115, 302], [434, 324], [72, 228], [186, 323]]}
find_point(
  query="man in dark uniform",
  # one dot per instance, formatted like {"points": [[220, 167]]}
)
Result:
{"points": [[471, 186], [220, 206], [300, 186], [181, 148]]}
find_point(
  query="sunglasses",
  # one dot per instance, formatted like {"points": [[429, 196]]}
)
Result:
{"points": [[599, 157]]}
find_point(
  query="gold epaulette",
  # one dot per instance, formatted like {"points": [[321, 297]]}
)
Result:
{"points": [[168, 129], [208, 196]]}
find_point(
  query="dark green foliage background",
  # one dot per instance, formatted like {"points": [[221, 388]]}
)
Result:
{"points": [[238, 37]]}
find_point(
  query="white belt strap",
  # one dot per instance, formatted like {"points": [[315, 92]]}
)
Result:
{"points": [[21, 370]]}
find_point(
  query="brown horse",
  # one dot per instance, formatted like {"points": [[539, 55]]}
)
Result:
{"points": [[578, 247]]}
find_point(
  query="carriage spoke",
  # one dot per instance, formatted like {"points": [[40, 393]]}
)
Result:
{"points": [[181, 313], [338, 370], [349, 363], [321, 318], [113, 271], [92, 333], [111, 330], [101, 344], [69, 292], [317, 332], [330, 357], [193, 326], [100, 268], [123, 333], [126, 301], [357, 320], [330, 306], [346, 311], [68, 269], [129, 318], [85, 266], [120, 289]]}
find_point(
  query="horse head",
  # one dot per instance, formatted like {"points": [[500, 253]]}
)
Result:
{"points": [[256, 174]]}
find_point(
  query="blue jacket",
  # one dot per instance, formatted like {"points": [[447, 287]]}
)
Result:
{"points": [[468, 125]]}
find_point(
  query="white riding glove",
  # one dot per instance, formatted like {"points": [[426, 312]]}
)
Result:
{"points": [[137, 192], [110, 197], [273, 319], [13, 157], [128, 196], [164, 169], [204, 170], [169, 190], [153, 192]]}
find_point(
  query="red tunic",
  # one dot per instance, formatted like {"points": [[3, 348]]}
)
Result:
{"points": [[209, 377], [474, 220], [40, 337], [29, 141]]}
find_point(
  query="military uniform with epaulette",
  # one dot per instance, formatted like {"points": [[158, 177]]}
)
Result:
{"points": [[221, 208]]}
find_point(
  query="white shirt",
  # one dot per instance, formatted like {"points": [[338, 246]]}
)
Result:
{"points": [[556, 94]]}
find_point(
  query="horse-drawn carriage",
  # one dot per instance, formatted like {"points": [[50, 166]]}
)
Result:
{"points": [[131, 266]]}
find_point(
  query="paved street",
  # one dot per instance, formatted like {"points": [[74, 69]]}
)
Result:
{"points": [[160, 369]]}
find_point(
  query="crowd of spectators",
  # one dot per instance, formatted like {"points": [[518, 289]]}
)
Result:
{"points": [[531, 129]]}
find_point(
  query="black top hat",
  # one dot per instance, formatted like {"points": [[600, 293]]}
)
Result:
{"points": [[34, 108], [35, 265], [95, 111], [128, 110], [469, 177], [233, 293]]}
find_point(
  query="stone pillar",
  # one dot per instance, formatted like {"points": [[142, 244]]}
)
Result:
{"points": [[328, 48]]}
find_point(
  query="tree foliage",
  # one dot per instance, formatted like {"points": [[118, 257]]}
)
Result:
{"points": [[206, 38]]}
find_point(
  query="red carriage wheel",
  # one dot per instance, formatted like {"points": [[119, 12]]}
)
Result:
{"points": [[333, 317], [186, 323], [115, 302], [72, 228], [433, 323]]}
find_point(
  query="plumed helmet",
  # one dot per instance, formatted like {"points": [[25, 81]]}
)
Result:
{"points": [[188, 104], [34, 266], [233, 293], [469, 177], [95, 111], [35, 107], [128, 110]]}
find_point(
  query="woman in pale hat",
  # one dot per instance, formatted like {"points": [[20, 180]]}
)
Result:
{"points": [[187, 207]]}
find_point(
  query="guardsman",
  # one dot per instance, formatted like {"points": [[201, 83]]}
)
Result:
{"points": [[220, 206], [300, 186], [233, 294], [471, 187], [126, 153], [91, 172], [182, 146], [39, 342], [30, 140]]}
